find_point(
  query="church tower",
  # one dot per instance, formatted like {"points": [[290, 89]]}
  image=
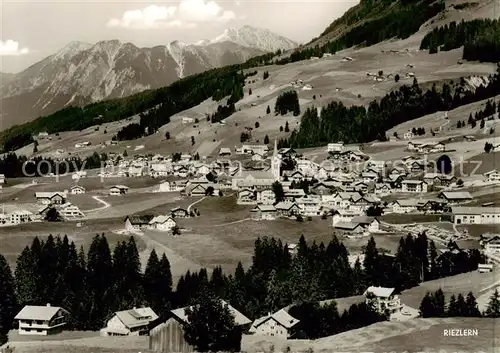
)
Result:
{"points": [[276, 163]]}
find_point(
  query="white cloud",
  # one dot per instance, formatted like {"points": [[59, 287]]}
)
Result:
{"points": [[186, 15], [11, 48]]}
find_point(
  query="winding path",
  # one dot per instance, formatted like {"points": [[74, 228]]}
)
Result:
{"points": [[194, 203], [104, 205]]}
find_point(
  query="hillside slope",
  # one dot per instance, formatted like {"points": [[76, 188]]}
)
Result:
{"points": [[82, 73]]}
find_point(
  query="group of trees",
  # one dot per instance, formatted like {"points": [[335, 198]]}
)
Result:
{"points": [[434, 305], [418, 131], [287, 102], [95, 284], [357, 124], [13, 166], [480, 39], [401, 21]]}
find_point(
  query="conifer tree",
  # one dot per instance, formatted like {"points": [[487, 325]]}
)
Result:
{"points": [[461, 306], [471, 305], [427, 306], [438, 302], [7, 300], [211, 326], [27, 280], [268, 110], [266, 140], [370, 263], [452, 309], [493, 309]]}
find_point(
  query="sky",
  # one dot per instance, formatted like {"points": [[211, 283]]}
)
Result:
{"points": [[32, 30]]}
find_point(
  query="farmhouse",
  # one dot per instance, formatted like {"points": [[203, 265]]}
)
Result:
{"points": [[82, 144], [404, 206], [2, 178], [335, 147], [350, 228], [46, 198], [251, 149], [417, 186], [41, 320], [345, 216], [371, 224], [438, 179], [482, 268], [279, 324], [20, 216], [476, 215], [70, 211], [133, 322], [492, 176], [187, 120], [265, 212], [492, 245], [178, 212], [118, 190], [225, 152], [287, 209], [382, 299], [136, 223], [169, 336], [247, 197], [455, 197], [163, 223], [77, 189]]}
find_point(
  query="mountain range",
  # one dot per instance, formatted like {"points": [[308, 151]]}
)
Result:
{"points": [[83, 73]]}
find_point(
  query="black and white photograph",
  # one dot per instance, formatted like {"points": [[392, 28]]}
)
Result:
{"points": [[250, 176]]}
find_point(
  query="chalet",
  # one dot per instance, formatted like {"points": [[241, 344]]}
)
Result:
{"points": [[225, 152], [133, 322], [418, 166], [404, 206], [41, 320], [413, 146], [344, 216], [79, 174], [187, 120], [382, 299], [382, 189], [431, 147], [173, 328], [253, 178], [164, 186], [293, 194], [251, 149], [350, 228], [2, 178], [438, 179], [492, 176], [287, 152], [247, 197], [82, 144], [258, 157], [476, 215], [369, 176], [264, 212], [46, 198], [482, 268], [136, 223], [20, 216], [77, 189], [322, 188], [162, 223], [492, 245], [372, 224], [363, 203], [455, 197], [70, 211], [416, 186], [201, 189], [279, 324], [266, 196], [118, 190], [178, 212], [309, 205]]}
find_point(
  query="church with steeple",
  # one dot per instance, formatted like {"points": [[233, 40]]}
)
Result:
{"points": [[276, 163]]}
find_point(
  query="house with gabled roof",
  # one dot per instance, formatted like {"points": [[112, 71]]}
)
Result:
{"points": [[178, 212], [455, 197], [492, 175], [410, 185], [287, 209], [41, 320], [118, 190], [50, 197], [136, 223], [132, 322], [382, 299], [264, 212], [280, 324], [162, 223], [404, 206]]}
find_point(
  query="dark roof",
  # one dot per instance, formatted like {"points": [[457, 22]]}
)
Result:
{"points": [[139, 219]]}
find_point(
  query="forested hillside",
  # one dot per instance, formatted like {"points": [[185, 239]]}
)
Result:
{"points": [[357, 124], [480, 39], [383, 19]]}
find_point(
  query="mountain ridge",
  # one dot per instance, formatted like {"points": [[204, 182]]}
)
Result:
{"points": [[82, 73]]}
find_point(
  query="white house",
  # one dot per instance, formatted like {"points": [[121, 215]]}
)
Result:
{"points": [[41, 320], [164, 186], [118, 190], [280, 324], [77, 189], [2, 178], [46, 198], [382, 299], [492, 245], [417, 186], [404, 206], [492, 176], [345, 216], [335, 147], [20, 216], [187, 120], [476, 215], [163, 223], [264, 212], [134, 322]]}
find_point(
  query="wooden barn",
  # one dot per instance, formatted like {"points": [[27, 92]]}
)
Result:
{"points": [[169, 336]]}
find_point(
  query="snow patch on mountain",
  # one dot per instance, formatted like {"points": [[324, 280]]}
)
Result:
{"points": [[258, 38], [70, 50]]}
